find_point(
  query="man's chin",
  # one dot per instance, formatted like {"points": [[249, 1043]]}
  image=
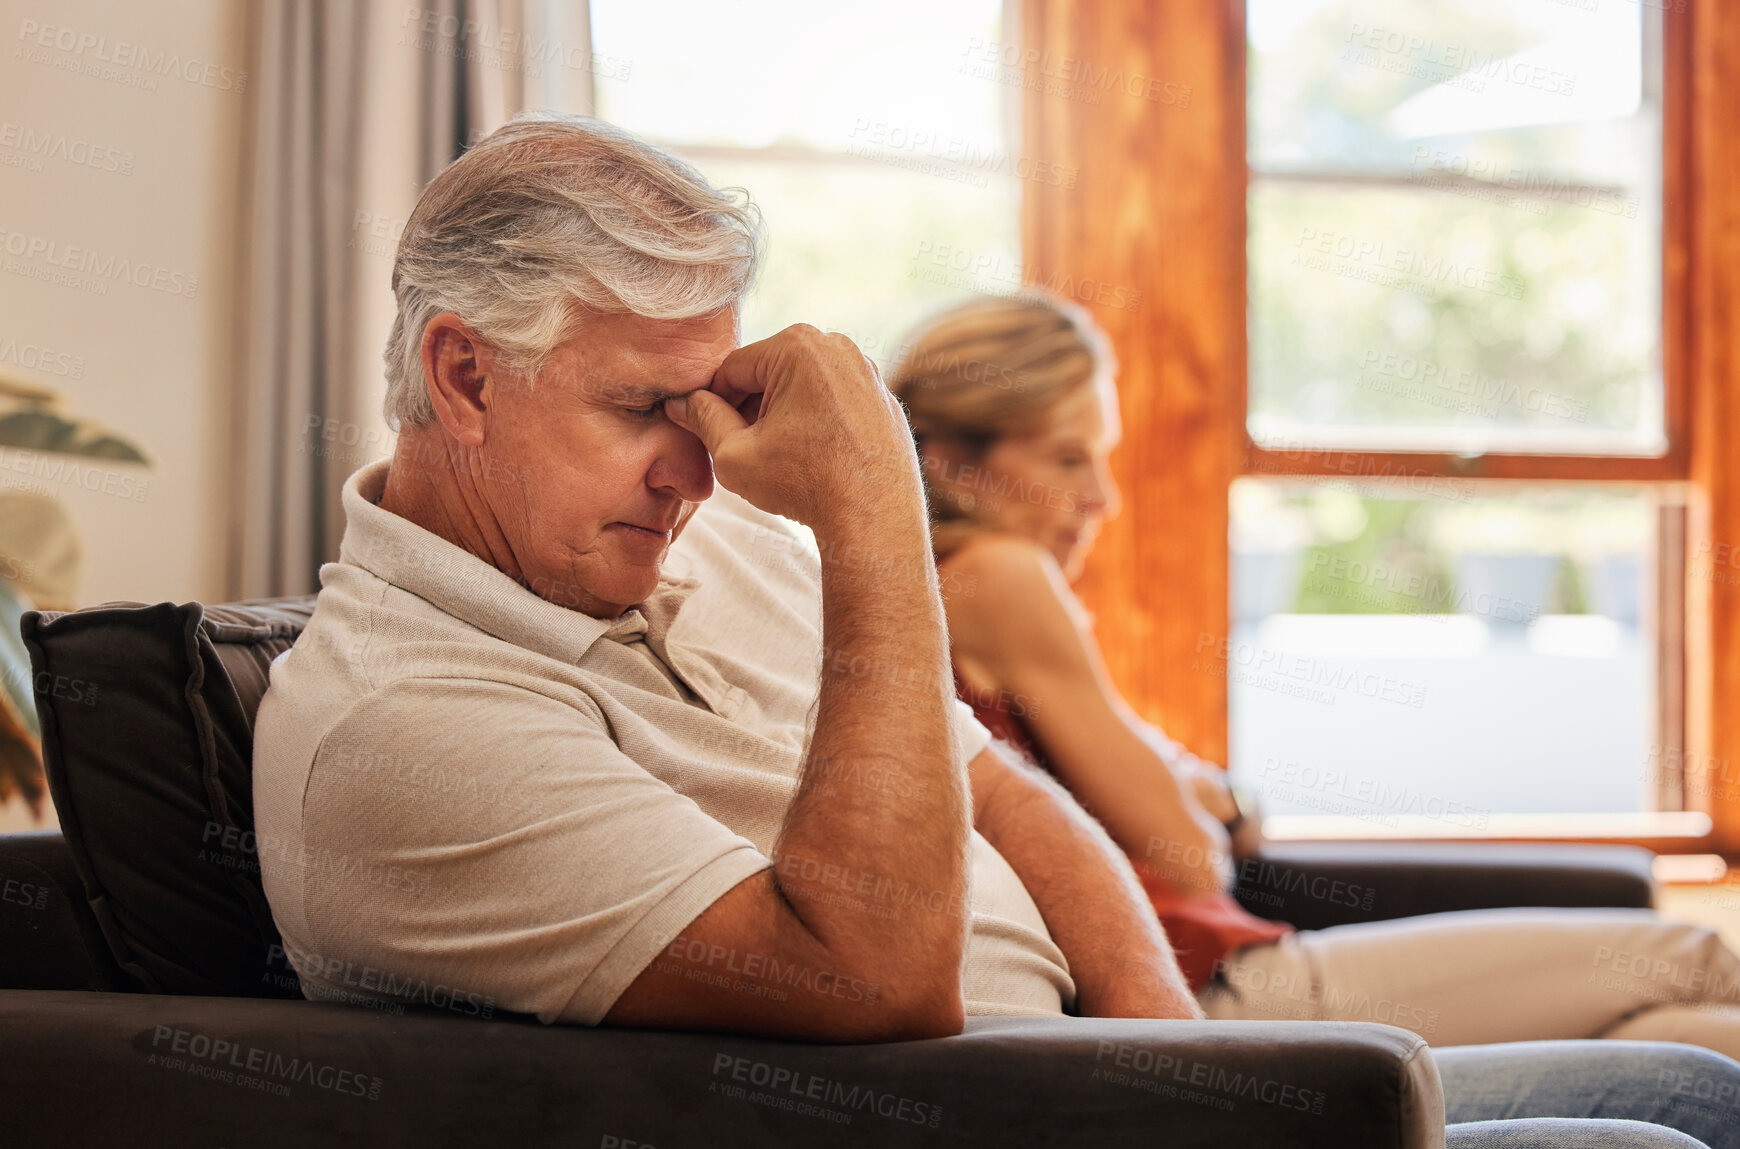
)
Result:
{"points": [[632, 585]]}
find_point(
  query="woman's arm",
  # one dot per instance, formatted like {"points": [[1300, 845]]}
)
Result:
{"points": [[1013, 619]]}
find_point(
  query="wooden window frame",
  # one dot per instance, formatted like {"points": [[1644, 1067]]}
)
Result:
{"points": [[1158, 210]]}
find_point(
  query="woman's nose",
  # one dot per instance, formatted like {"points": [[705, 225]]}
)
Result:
{"points": [[1102, 495]]}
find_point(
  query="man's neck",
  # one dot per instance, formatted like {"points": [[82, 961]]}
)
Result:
{"points": [[426, 487]]}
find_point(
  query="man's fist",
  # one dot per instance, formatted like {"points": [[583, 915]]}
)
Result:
{"points": [[801, 425]]}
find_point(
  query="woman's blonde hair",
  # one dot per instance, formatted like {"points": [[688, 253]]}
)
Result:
{"points": [[987, 370]]}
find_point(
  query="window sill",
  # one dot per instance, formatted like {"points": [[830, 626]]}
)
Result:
{"points": [[1666, 832]]}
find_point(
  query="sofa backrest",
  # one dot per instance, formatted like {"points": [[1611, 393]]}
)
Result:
{"points": [[48, 938], [147, 732]]}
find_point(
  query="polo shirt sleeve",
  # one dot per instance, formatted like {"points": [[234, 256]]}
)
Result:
{"points": [[494, 840], [970, 731]]}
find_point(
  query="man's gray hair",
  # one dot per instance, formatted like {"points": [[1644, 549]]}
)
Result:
{"points": [[551, 216]]}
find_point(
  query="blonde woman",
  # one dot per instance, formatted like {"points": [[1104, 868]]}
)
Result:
{"points": [[1014, 409]]}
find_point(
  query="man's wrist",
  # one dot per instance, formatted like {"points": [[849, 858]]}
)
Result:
{"points": [[890, 517], [884, 551]]}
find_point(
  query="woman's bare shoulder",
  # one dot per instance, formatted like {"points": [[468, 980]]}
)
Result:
{"points": [[1003, 563], [994, 579]]}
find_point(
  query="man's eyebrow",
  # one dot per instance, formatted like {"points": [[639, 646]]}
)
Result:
{"points": [[617, 391]]}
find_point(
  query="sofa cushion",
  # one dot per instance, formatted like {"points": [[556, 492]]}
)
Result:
{"points": [[147, 731]]}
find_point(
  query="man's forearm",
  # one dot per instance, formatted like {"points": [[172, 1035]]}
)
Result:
{"points": [[882, 804], [1083, 885]]}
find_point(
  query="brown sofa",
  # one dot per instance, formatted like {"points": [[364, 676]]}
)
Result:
{"points": [[144, 998]]}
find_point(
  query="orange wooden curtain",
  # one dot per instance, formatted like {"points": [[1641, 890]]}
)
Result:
{"points": [[1711, 47], [1143, 101]]}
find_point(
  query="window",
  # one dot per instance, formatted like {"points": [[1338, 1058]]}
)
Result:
{"points": [[1428, 659], [1455, 252], [1455, 226], [889, 186]]}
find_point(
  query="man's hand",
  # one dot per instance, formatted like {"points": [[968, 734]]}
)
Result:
{"points": [[790, 422]]}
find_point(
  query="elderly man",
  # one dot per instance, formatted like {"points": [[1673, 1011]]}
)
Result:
{"points": [[537, 752], [575, 732]]}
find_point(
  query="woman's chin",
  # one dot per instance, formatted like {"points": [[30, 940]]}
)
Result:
{"points": [[1072, 559]]}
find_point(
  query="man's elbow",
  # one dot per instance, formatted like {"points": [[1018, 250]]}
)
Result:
{"points": [[913, 1007], [945, 1016], [919, 990], [918, 1018]]}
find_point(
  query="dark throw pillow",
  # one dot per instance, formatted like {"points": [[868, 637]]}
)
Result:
{"points": [[147, 736]]}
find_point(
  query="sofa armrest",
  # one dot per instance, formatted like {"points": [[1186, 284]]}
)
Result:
{"points": [[49, 938], [284, 1073], [1315, 885]]}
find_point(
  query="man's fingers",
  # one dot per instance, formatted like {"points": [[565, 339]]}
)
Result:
{"points": [[706, 416], [741, 374]]}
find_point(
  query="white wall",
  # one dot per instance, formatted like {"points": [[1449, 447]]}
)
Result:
{"points": [[155, 90]]}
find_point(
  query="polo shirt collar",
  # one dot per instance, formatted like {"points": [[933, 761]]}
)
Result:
{"points": [[458, 583]]}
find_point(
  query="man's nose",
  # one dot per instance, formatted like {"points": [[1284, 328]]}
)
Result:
{"points": [[682, 464]]}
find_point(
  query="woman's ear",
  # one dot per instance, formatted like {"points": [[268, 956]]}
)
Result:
{"points": [[456, 371]]}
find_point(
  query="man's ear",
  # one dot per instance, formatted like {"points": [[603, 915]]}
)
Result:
{"points": [[457, 371]]}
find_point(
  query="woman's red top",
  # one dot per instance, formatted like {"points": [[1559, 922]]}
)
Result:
{"points": [[1204, 928]]}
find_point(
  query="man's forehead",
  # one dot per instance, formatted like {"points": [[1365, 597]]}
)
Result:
{"points": [[631, 358]]}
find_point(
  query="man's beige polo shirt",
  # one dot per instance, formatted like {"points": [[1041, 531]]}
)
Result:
{"points": [[469, 795]]}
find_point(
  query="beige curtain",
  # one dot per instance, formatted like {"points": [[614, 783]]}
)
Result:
{"points": [[354, 107]]}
